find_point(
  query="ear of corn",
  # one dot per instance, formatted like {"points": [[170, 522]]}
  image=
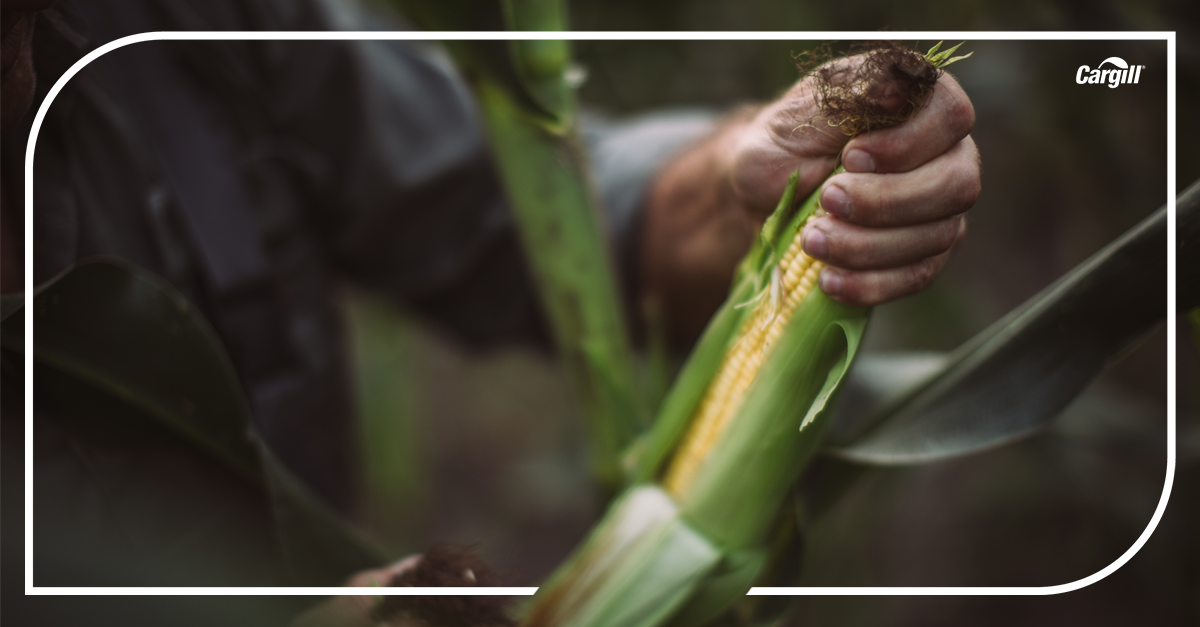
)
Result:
{"points": [[734, 433], [702, 365], [750, 438], [792, 279], [743, 419]]}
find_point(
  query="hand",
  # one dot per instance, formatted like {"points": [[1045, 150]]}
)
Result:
{"points": [[355, 610], [895, 213], [897, 210]]}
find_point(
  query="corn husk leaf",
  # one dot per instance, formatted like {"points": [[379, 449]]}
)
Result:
{"points": [[734, 500], [647, 458], [1016, 376], [736, 493], [637, 566], [528, 106]]}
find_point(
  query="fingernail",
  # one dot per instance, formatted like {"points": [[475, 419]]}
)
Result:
{"points": [[835, 201], [858, 160], [831, 281], [814, 243]]}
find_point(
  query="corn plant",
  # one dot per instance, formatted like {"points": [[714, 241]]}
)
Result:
{"points": [[530, 118], [706, 502], [707, 496], [743, 419]]}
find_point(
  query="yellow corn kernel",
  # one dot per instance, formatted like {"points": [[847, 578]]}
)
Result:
{"points": [[796, 275]]}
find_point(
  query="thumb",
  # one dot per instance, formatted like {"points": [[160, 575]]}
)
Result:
{"points": [[807, 128], [787, 135]]}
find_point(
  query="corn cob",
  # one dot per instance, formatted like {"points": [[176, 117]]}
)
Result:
{"points": [[769, 364], [775, 354], [791, 281]]}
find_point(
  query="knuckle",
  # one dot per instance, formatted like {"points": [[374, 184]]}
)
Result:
{"points": [[967, 185], [923, 272], [874, 292], [946, 235], [862, 290], [867, 197], [877, 203], [855, 250], [960, 112], [969, 193]]}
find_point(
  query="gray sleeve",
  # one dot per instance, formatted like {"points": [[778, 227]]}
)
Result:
{"points": [[626, 155], [427, 221], [412, 204]]}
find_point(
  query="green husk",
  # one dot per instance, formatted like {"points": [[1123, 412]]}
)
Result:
{"points": [[737, 495], [636, 568], [681, 401]]}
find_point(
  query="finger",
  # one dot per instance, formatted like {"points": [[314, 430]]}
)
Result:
{"points": [[867, 288], [854, 247], [948, 185], [944, 121], [355, 610], [783, 138], [341, 611], [383, 576], [790, 135]]}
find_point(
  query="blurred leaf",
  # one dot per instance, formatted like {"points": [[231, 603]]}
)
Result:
{"points": [[879, 381], [550, 198], [113, 327], [528, 109], [497, 61], [637, 566], [1017, 375]]}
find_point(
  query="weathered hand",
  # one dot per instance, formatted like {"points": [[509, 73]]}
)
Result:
{"points": [[897, 210], [355, 610]]}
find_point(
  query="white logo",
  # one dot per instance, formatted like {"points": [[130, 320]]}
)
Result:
{"points": [[1120, 73]]}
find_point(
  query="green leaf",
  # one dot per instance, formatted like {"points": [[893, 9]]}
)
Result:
{"points": [[727, 582], [1016, 376], [109, 326], [675, 413], [955, 59], [526, 70], [689, 387], [636, 568], [741, 486], [550, 198]]}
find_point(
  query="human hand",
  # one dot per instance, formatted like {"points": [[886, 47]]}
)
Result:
{"points": [[897, 210], [356, 610]]}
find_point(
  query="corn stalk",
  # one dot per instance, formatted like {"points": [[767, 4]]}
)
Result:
{"points": [[529, 113]]}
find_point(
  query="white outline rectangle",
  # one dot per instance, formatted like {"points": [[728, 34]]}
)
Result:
{"points": [[1168, 37]]}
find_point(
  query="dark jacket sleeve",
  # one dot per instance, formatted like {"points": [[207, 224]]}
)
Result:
{"points": [[383, 149]]}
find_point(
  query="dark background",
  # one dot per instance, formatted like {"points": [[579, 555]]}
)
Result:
{"points": [[487, 448]]}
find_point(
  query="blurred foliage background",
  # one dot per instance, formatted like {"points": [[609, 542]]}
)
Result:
{"points": [[487, 450]]}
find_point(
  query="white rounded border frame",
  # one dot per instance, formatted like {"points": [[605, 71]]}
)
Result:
{"points": [[1168, 37]]}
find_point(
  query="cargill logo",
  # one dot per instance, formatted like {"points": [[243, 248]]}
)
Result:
{"points": [[1118, 72]]}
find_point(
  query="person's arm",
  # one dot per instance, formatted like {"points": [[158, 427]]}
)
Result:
{"points": [[896, 212]]}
